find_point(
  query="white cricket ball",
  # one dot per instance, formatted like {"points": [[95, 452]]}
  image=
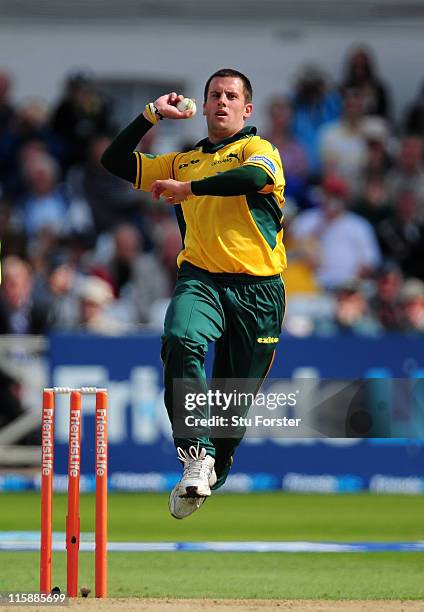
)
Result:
{"points": [[187, 104]]}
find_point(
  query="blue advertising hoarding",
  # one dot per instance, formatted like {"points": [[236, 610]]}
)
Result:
{"points": [[142, 455]]}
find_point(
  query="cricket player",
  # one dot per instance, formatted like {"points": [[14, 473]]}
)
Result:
{"points": [[228, 196]]}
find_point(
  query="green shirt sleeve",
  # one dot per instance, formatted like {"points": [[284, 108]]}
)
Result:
{"points": [[238, 181], [118, 158]]}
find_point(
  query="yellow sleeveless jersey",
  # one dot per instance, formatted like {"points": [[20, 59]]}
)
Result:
{"points": [[231, 234]]}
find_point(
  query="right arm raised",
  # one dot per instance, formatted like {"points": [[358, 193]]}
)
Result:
{"points": [[118, 158]]}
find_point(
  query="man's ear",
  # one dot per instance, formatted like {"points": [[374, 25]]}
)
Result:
{"points": [[248, 110], [204, 109]]}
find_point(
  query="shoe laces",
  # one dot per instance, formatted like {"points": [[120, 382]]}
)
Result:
{"points": [[193, 460]]}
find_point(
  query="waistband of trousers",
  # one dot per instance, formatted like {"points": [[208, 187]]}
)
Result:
{"points": [[231, 277]]}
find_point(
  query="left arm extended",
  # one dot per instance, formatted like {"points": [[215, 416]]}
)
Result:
{"points": [[238, 181]]}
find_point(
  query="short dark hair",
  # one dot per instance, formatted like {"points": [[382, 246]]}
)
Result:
{"points": [[230, 72]]}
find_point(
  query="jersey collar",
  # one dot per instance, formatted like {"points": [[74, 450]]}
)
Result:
{"points": [[209, 147]]}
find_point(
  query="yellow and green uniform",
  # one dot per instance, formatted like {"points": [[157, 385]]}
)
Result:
{"points": [[229, 289], [232, 233]]}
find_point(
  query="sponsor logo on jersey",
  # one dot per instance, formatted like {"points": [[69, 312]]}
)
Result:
{"points": [[226, 159], [264, 160], [268, 340], [192, 161]]}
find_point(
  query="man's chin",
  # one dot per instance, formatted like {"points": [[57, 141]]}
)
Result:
{"points": [[223, 130], [220, 123]]}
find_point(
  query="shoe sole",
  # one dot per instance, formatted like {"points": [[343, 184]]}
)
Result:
{"points": [[180, 518]]}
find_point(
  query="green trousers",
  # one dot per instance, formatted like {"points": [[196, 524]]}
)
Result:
{"points": [[242, 315]]}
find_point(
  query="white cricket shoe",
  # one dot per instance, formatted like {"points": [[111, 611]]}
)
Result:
{"points": [[194, 487], [181, 507]]}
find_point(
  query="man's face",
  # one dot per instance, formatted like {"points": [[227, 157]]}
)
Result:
{"points": [[225, 108], [332, 206]]}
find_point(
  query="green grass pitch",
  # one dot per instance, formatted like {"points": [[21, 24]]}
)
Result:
{"points": [[261, 516]]}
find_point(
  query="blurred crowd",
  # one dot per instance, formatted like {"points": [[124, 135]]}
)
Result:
{"points": [[82, 250]]}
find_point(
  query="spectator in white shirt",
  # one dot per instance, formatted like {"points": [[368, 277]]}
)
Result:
{"points": [[348, 246], [342, 144]]}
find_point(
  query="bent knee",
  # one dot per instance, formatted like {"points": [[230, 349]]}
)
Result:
{"points": [[175, 342]]}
